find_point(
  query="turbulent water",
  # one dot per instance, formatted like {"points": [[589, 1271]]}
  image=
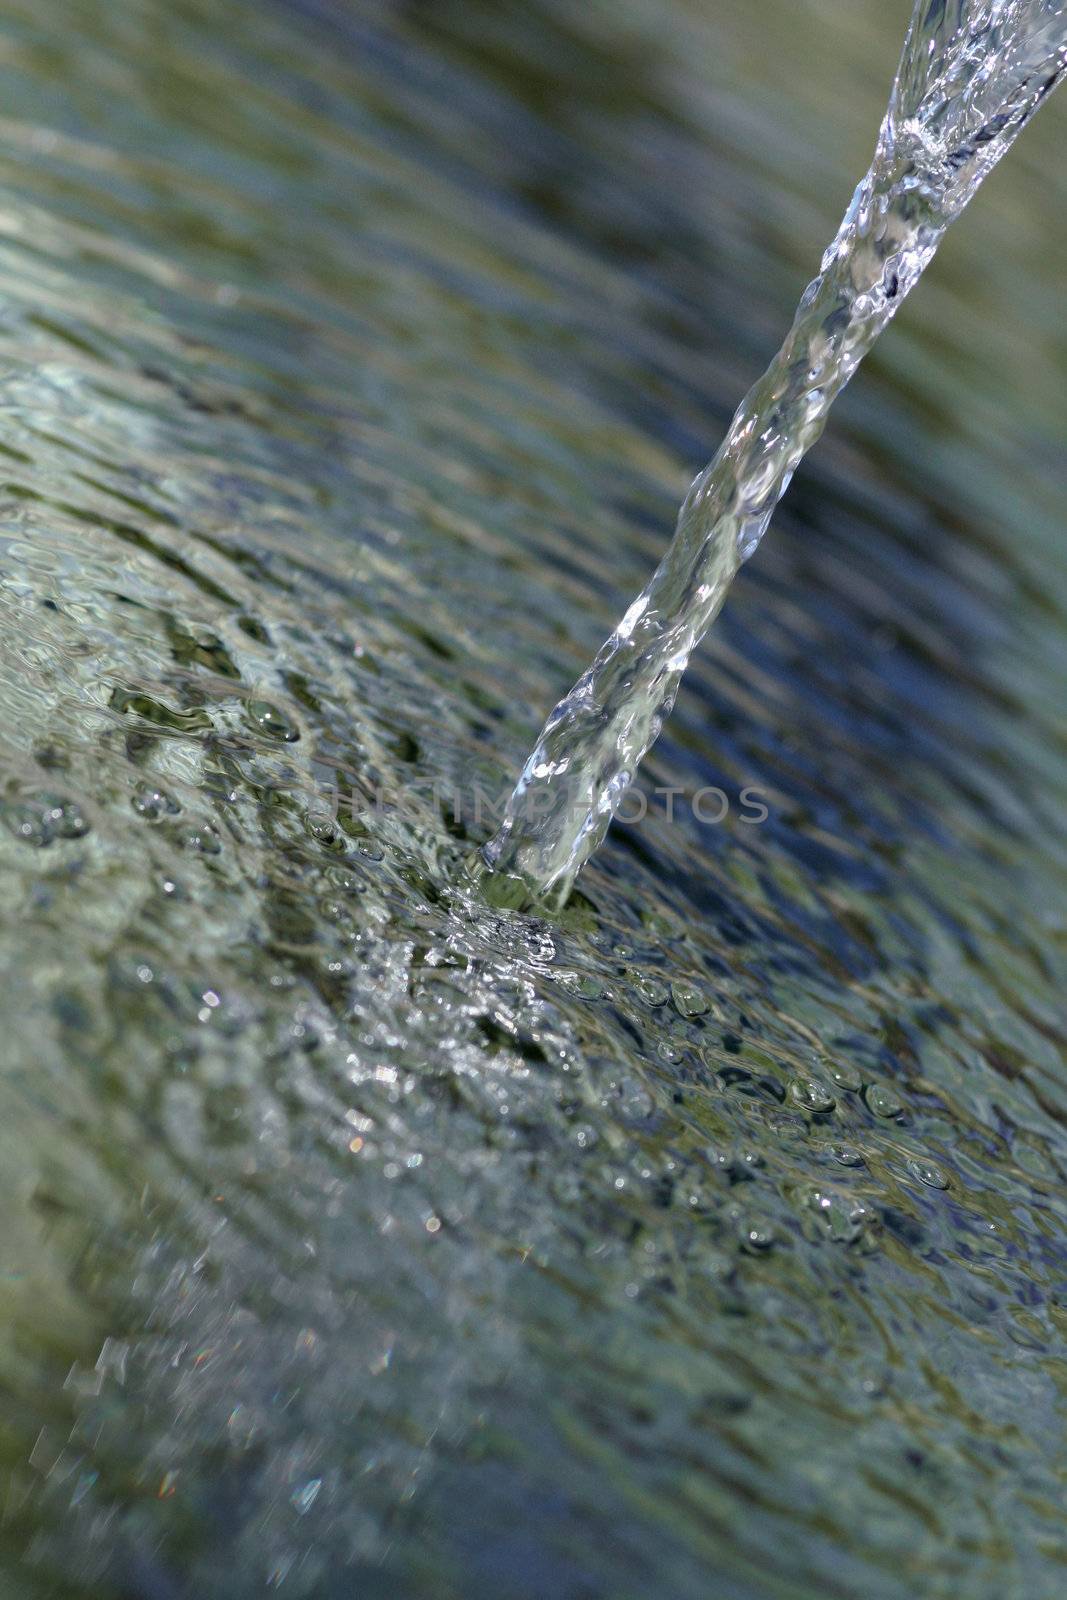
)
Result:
{"points": [[709, 1236], [971, 75]]}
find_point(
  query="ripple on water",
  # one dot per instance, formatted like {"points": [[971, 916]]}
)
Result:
{"points": [[710, 1233]]}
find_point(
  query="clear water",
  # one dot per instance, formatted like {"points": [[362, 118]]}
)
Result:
{"points": [[359, 1238], [971, 75]]}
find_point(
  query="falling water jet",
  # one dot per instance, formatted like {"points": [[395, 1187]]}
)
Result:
{"points": [[971, 75]]}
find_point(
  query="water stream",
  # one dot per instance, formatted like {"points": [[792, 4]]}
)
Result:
{"points": [[971, 75]]}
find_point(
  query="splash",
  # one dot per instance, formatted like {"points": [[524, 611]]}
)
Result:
{"points": [[972, 74]]}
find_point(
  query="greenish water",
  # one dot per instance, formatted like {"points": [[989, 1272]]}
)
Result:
{"points": [[709, 1237]]}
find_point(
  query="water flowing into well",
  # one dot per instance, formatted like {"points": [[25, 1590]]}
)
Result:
{"points": [[971, 75]]}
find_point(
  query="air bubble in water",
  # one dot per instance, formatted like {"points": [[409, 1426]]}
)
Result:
{"points": [[269, 720], [152, 802], [689, 1000], [44, 819], [883, 1101], [927, 1172], [812, 1096]]}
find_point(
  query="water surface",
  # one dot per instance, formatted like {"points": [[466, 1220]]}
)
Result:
{"points": [[359, 1239]]}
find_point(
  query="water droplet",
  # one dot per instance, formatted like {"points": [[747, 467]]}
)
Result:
{"points": [[27, 823], [634, 1099], [847, 1155], [151, 802], [203, 836], [883, 1101], [811, 1095], [67, 820], [842, 1215], [651, 991], [757, 1234], [739, 1166], [844, 1074], [321, 827], [689, 1000], [45, 818], [927, 1172], [269, 720]]}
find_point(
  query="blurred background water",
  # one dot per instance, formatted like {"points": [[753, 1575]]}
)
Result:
{"points": [[709, 1237]]}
